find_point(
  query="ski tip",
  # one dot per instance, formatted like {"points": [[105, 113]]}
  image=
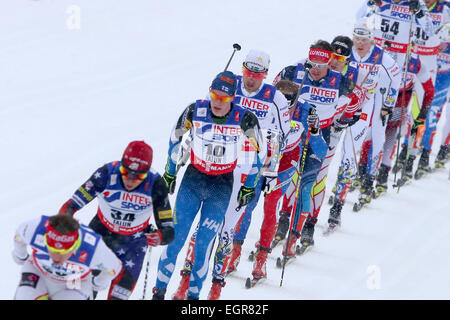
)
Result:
{"points": [[248, 283]]}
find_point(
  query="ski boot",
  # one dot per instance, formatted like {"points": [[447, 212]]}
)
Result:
{"points": [[423, 167], [307, 239], [398, 166], [180, 294], [235, 256], [358, 179], [216, 289], [407, 172], [283, 226], [333, 195], [158, 294], [334, 219], [259, 267], [366, 193], [289, 250], [442, 157], [382, 178]]}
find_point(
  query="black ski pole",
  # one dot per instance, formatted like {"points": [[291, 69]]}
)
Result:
{"points": [[236, 47]]}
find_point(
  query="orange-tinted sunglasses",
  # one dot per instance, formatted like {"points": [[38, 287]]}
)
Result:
{"points": [[338, 57], [132, 174], [221, 98]]}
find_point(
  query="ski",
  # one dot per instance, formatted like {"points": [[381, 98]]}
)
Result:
{"points": [[301, 250], [275, 242], [378, 192], [331, 200], [288, 260], [401, 182], [251, 256], [251, 282], [358, 206], [420, 173], [330, 229]]}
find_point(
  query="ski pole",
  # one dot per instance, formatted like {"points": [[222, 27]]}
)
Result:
{"points": [[147, 267], [236, 47], [405, 75], [301, 166]]}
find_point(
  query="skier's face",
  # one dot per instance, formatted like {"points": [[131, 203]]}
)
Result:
{"points": [[338, 62], [252, 80], [362, 45], [130, 183], [318, 70], [220, 103]]}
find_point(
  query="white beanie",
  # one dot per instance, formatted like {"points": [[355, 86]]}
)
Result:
{"points": [[257, 61]]}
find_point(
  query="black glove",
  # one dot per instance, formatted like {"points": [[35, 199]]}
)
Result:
{"points": [[375, 3], [420, 121], [270, 181], [414, 6], [385, 118], [170, 181], [245, 195]]}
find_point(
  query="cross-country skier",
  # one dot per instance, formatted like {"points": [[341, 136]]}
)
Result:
{"points": [[429, 48], [129, 193], [303, 116], [381, 77], [397, 124], [64, 256], [218, 128], [337, 99], [394, 21], [270, 107]]}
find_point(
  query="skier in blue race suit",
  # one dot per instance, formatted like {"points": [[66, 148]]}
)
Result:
{"points": [[218, 128]]}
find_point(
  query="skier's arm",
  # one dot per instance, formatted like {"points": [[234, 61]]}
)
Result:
{"points": [[162, 211], [251, 130], [424, 76], [87, 192], [183, 125], [351, 98], [390, 78], [22, 238]]}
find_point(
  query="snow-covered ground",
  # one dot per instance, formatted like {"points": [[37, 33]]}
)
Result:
{"points": [[80, 79]]}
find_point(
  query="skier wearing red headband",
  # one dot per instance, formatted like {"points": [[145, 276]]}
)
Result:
{"points": [[64, 254]]}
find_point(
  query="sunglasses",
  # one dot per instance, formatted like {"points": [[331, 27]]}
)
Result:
{"points": [[215, 96], [132, 174], [360, 39], [339, 57], [316, 65], [62, 251], [255, 75]]}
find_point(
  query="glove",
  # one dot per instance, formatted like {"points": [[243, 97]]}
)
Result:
{"points": [[375, 3], [20, 261], [387, 114], [170, 181], [414, 6], [420, 121], [154, 238], [313, 121], [245, 195], [270, 181], [339, 125], [100, 282]]}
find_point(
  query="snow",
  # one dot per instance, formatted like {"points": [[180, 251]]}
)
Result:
{"points": [[73, 96]]}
